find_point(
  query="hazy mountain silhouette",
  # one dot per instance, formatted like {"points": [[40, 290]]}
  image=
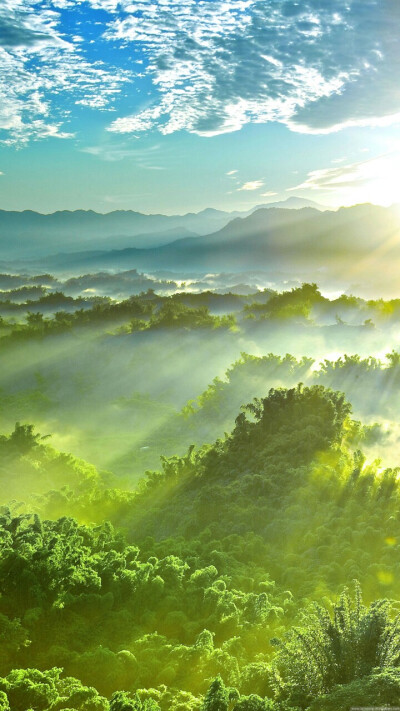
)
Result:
{"points": [[352, 240], [292, 203], [30, 234]]}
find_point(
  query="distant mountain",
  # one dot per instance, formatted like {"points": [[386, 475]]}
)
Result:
{"points": [[146, 239], [293, 203], [351, 241], [33, 234]]}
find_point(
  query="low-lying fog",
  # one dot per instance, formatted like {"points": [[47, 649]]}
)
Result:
{"points": [[118, 395]]}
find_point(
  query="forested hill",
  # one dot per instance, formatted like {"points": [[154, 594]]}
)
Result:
{"points": [[289, 475], [231, 483], [190, 590], [188, 600]]}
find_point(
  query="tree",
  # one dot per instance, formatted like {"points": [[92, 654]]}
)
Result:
{"points": [[122, 701], [35, 320], [351, 644], [218, 696], [24, 438], [379, 690], [254, 703]]}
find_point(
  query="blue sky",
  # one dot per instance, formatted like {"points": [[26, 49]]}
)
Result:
{"points": [[176, 105]]}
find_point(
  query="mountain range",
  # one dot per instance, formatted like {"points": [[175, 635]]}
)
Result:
{"points": [[32, 234], [354, 247], [270, 239]]}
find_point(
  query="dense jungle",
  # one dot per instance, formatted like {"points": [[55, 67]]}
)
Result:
{"points": [[199, 495]]}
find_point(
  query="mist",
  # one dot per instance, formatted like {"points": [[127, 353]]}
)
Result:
{"points": [[174, 424], [112, 391]]}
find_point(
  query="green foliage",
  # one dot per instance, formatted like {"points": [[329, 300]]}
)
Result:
{"points": [[215, 410], [145, 594], [23, 439], [332, 651], [191, 589], [217, 697], [381, 689], [30, 467], [254, 703], [173, 314], [295, 304], [101, 601], [121, 701], [46, 691]]}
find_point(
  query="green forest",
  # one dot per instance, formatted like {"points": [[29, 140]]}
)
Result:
{"points": [[200, 497]]}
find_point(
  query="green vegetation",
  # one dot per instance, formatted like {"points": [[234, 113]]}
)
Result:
{"points": [[302, 305], [255, 567]]}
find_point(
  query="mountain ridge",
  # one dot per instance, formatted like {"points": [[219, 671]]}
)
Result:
{"points": [[36, 234], [293, 200], [268, 239]]}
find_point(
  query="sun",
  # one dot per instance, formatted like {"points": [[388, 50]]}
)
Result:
{"points": [[376, 180]]}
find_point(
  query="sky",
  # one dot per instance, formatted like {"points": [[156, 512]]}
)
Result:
{"points": [[177, 105]]}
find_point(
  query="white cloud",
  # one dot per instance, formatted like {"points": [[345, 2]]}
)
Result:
{"points": [[143, 122], [143, 157], [219, 64], [374, 180], [37, 66], [252, 185], [270, 193], [231, 172], [214, 65]]}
